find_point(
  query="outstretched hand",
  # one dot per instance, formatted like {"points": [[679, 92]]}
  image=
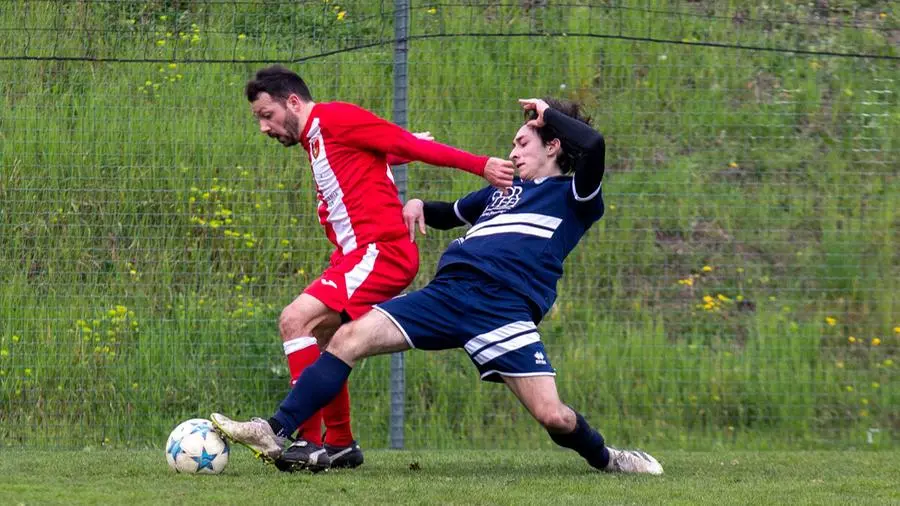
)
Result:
{"points": [[538, 106], [499, 172]]}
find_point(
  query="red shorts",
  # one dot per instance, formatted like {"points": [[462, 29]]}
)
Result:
{"points": [[366, 276]]}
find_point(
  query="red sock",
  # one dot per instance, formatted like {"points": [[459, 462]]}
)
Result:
{"points": [[301, 352], [337, 420]]}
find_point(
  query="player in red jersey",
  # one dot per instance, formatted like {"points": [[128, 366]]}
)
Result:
{"points": [[349, 149]]}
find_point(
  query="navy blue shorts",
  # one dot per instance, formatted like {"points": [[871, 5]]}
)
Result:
{"points": [[464, 309]]}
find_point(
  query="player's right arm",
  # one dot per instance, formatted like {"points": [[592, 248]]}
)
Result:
{"points": [[358, 127], [445, 215]]}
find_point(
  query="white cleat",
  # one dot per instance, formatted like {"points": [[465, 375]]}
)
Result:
{"points": [[256, 435], [632, 461]]}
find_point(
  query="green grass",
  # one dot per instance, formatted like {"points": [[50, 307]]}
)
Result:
{"points": [[456, 477], [749, 232]]}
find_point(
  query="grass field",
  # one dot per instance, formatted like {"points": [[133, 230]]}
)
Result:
{"points": [[740, 291], [456, 477]]}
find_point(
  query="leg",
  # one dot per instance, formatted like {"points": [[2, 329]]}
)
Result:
{"points": [[369, 276], [303, 323], [569, 429], [566, 427], [374, 334], [539, 396], [430, 317], [307, 316]]}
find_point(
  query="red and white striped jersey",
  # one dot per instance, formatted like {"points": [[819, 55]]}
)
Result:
{"points": [[349, 148]]}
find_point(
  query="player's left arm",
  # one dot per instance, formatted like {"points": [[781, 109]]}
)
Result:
{"points": [[589, 144]]}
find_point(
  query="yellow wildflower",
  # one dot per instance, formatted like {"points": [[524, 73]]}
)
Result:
{"points": [[707, 268], [876, 342], [340, 15], [851, 339], [830, 321]]}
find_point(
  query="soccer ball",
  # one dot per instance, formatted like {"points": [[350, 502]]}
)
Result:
{"points": [[195, 447]]}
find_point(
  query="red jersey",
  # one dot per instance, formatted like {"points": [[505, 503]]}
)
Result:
{"points": [[348, 149]]}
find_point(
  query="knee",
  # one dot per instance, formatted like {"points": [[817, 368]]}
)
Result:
{"points": [[556, 419], [294, 322]]}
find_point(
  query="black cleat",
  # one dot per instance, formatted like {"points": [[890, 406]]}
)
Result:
{"points": [[303, 455], [346, 456]]}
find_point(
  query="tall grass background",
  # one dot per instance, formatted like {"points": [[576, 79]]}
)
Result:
{"points": [[740, 290]]}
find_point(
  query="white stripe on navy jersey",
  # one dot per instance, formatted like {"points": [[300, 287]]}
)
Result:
{"points": [[531, 219], [512, 229]]}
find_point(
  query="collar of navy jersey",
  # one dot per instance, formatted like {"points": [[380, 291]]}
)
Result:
{"points": [[518, 180]]}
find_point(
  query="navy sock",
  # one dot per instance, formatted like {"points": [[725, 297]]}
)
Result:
{"points": [[317, 386], [586, 441]]}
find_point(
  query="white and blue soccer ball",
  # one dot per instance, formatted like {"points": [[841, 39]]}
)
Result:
{"points": [[194, 447]]}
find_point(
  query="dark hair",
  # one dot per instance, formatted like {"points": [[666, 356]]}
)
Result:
{"points": [[568, 155], [278, 82]]}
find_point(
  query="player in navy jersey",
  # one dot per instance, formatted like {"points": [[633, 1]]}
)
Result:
{"points": [[492, 287]]}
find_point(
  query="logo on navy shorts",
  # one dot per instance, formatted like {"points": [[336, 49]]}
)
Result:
{"points": [[503, 201], [539, 358]]}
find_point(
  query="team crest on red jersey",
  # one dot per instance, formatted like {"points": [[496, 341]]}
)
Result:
{"points": [[314, 148]]}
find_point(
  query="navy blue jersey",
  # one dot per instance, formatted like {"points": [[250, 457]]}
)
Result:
{"points": [[521, 237]]}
